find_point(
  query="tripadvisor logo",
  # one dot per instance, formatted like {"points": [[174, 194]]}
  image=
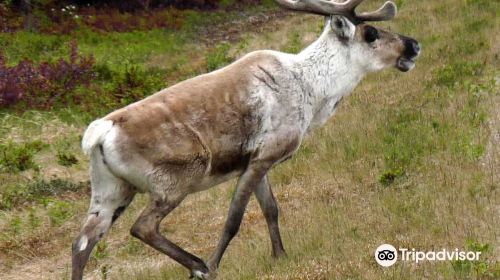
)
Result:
{"points": [[386, 255]]}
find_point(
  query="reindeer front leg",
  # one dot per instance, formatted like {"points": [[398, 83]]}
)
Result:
{"points": [[270, 209], [246, 185]]}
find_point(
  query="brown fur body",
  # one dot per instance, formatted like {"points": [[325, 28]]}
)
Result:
{"points": [[202, 126]]}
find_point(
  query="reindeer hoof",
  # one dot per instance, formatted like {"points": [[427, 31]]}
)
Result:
{"points": [[198, 275]]}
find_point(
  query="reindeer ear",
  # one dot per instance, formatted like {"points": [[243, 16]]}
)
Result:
{"points": [[343, 27]]}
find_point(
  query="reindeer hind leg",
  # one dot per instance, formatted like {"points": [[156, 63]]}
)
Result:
{"points": [[110, 196]]}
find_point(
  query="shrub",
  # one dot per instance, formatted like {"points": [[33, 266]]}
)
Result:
{"points": [[11, 196], [18, 157], [66, 159], [9, 20], [133, 83], [55, 17], [47, 84], [389, 176]]}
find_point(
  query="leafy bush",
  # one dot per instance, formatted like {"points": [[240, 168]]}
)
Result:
{"points": [[133, 83], [66, 159], [18, 157], [62, 17], [44, 85], [389, 176], [110, 20], [11, 196], [9, 20]]}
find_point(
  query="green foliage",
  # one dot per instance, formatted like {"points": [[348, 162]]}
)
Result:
{"points": [[16, 225], [53, 187], [469, 47], [476, 24], [294, 44], [400, 3], [481, 268], [427, 139], [457, 72], [15, 157], [268, 3], [64, 155], [11, 195], [105, 269], [34, 220], [66, 159], [227, 3], [17, 194], [101, 250], [485, 5], [122, 73], [33, 46], [407, 137], [59, 212], [389, 176], [135, 47], [133, 246], [219, 57], [132, 83]]}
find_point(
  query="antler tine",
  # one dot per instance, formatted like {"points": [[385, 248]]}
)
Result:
{"points": [[321, 7], [387, 12], [326, 7]]}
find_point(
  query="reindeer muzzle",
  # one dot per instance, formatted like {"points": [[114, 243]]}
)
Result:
{"points": [[411, 51]]}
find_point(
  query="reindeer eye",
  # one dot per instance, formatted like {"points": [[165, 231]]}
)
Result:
{"points": [[371, 34]]}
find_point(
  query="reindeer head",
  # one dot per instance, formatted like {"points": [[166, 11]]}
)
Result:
{"points": [[374, 48]]}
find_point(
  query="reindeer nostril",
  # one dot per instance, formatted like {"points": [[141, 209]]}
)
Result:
{"points": [[416, 47], [412, 48], [339, 23]]}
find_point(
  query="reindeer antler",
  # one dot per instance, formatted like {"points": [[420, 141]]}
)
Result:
{"points": [[322, 7]]}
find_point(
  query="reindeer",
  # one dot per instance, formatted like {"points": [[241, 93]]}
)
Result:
{"points": [[240, 120]]}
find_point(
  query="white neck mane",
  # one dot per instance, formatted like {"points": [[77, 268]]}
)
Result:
{"points": [[328, 73]]}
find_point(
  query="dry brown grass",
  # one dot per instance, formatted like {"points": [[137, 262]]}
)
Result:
{"points": [[334, 210]]}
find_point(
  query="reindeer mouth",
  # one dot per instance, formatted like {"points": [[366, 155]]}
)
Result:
{"points": [[405, 64]]}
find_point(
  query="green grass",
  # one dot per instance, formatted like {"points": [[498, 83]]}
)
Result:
{"points": [[407, 160], [16, 157], [219, 57], [39, 190]]}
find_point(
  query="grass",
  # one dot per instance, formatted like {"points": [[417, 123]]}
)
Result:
{"points": [[18, 157], [219, 57], [409, 159], [38, 191]]}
